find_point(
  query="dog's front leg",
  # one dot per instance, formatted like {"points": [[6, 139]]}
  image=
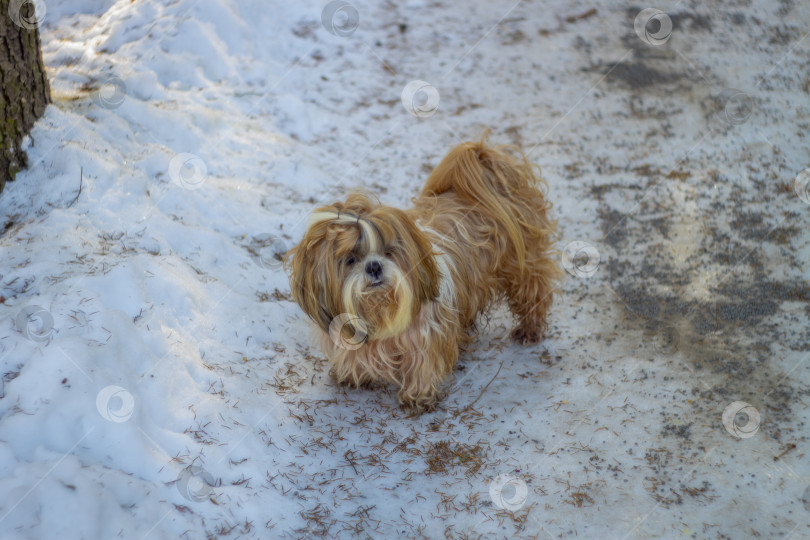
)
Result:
{"points": [[423, 369]]}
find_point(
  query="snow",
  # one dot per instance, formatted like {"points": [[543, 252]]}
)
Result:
{"points": [[177, 392]]}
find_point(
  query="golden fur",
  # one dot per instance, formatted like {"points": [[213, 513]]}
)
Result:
{"points": [[395, 293]]}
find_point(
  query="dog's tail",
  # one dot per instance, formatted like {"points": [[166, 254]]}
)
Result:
{"points": [[500, 182]]}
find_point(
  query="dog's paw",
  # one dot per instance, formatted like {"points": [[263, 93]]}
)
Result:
{"points": [[526, 335], [363, 382], [419, 406], [414, 409]]}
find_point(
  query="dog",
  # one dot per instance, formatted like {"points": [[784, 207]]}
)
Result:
{"points": [[395, 294]]}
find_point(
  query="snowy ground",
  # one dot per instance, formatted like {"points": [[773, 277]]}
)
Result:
{"points": [[158, 382]]}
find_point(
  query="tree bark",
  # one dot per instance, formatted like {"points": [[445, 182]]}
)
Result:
{"points": [[24, 89]]}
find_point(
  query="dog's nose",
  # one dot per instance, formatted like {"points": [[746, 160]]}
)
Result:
{"points": [[374, 270]]}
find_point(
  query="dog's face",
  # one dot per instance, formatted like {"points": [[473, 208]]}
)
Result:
{"points": [[363, 260]]}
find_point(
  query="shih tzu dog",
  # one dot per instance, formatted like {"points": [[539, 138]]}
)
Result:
{"points": [[396, 293]]}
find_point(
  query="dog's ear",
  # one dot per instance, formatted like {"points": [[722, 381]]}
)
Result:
{"points": [[426, 286], [306, 285]]}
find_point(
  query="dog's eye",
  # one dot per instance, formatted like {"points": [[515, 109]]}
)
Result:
{"points": [[350, 260], [389, 253]]}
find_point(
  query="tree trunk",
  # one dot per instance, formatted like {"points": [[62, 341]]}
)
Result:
{"points": [[24, 90]]}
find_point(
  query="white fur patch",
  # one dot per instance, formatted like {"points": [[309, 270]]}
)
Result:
{"points": [[447, 287]]}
